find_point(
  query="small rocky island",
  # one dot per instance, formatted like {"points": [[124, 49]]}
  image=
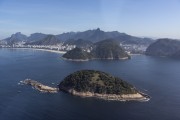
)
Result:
{"points": [[106, 49], [91, 83], [40, 86]]}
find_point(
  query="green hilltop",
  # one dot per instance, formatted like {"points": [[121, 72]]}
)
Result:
{"points": [[96, 82]]}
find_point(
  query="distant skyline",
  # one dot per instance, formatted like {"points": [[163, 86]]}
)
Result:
{"points": [[150, 18]]}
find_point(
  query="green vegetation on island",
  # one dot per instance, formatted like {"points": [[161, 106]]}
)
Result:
{"points": [[96, 82], [106, 49], [77, 54], [164, 47], [48, 40], [91, 83], [109, 49]]}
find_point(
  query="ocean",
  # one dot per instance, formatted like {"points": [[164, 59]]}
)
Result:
{"points": [[159, 77]]}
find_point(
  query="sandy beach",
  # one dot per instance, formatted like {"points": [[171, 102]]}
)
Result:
{"points": [[47, 50], [55, 51]]}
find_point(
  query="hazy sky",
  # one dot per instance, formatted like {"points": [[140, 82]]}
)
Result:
{"points": [[152, 18]]}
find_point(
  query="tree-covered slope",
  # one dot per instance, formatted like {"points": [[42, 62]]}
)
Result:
{"points": [[48, 40], [96, 82], [164, 47], [109, 49], [77, 54]]}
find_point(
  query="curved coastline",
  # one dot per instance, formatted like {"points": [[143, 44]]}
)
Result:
{"points": [[47, 50], [81, 60]]}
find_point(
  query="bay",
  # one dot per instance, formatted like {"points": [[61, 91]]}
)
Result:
{"points": [[157, 76]]}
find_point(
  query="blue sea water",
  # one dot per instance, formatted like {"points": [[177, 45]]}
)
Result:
{"points": [[158, 77]]}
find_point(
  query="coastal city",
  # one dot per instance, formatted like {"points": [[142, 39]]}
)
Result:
{"points": [[89, 59]]}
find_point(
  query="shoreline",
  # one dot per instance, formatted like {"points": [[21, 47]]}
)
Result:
{"points": [[139, 96], [46, 50], [76, 60], [39, 86], [110, 97], [84, 60]]}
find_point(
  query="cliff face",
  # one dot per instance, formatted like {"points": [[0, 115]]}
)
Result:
{"points": [[164, 47]]}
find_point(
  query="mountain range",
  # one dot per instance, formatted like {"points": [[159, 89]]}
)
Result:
{"points": [[79, 43], [46, 40], [93, 36], [15, 38]]}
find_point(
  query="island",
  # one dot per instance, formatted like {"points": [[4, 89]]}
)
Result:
{"points": [[164, 48], [106, 49], [77, 54], [109, 49], [91, 83], [39, 86]]}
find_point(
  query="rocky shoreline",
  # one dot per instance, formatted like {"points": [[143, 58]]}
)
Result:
{"points": [[113, 97], [40, 87], [76, 60], [82, 60]]}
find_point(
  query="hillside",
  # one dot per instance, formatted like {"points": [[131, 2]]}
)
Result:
{"points": [[48, 40], [106, 49], [96, 81], [99, 84], [16, 38], [36, 37], [79, 43], [77, 54], [109, 49], [164, 47]]}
